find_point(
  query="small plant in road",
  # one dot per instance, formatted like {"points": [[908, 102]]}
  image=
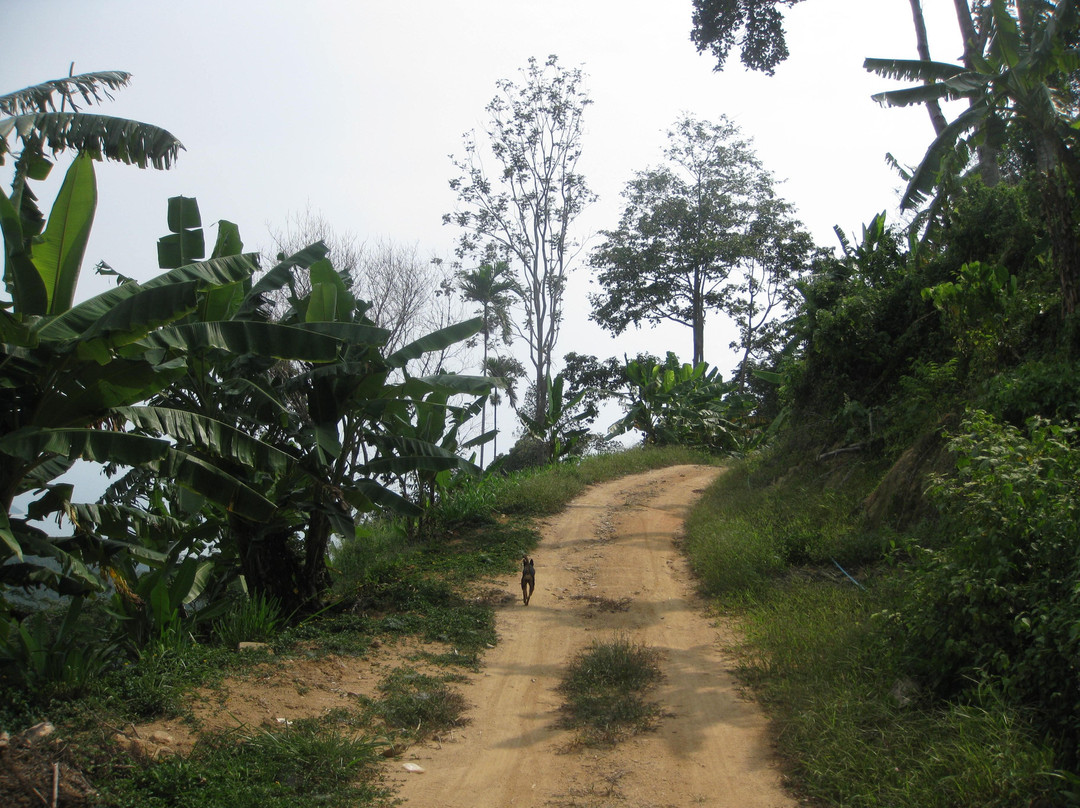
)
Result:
{"points": [[605, 687]]}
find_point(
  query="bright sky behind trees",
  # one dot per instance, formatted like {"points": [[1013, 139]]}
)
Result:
{"points": [[351, 108]]}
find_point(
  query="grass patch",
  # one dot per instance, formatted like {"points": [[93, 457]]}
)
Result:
{"points": [[605, 687], [310, 762], [818, 653], [741, 535], [417, 705], [857, 731]]}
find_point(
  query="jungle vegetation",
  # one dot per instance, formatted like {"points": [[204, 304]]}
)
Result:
{"points": [[903, 507]]}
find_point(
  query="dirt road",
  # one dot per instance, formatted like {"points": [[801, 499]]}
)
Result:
{"points": [[606, 566]]}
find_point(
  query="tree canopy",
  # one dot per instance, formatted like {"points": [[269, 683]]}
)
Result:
{"points": [[703, 232], [762, 44]]}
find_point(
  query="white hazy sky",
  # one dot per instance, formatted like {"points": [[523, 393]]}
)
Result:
{"points": [[351, 108]]}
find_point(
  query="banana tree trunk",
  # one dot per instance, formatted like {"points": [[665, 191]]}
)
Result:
{"points": [[987, 150], [937, 118]]}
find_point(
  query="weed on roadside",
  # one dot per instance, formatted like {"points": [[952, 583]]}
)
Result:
{"points": [[307, 762], [417, 705]]}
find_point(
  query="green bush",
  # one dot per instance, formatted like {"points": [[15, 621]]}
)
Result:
{"points": [[52, 654], [253, 619], [1000, 603]]}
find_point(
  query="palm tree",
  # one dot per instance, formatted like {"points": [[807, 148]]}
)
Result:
{"points": [[491, 286], [511, 371]]}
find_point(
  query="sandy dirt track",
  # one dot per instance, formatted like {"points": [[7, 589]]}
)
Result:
{"points": [[608, 565]]}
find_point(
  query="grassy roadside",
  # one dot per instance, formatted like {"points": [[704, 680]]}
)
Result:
{"points": [[389, 583], [853, 728]]}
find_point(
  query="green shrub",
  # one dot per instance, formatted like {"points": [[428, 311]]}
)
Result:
{"points": [[253, 619], [1000, 603]]}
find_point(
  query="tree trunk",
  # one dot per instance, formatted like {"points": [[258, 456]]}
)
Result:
{"points": [[1058, 205], [989, 169], [699, 334], [923, 45]]}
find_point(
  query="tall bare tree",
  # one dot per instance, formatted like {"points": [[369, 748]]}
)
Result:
{"points": [[408, 294], [522, 210]]}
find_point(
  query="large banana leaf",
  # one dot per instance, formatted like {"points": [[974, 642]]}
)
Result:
{"points": [[210, 435], [101, 136], [73, 324], [104, 446], [435, 341], [246, 337], [59, 255]]}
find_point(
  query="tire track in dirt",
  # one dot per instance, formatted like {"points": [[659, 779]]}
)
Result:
{"points": [[607, 565]]}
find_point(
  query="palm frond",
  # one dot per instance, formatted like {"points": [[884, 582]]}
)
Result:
{"points": [[91, 87]]}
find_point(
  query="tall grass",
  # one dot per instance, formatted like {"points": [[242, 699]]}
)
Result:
{"points": [[853, 728], [742, 534]]}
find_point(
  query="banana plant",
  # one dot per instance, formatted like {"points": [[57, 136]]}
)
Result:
{"points": [[336, 420], [690, 405], [559, 427], [74, 384]]}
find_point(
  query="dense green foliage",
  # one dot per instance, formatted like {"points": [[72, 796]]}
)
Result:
{"points": [[998, 604]]}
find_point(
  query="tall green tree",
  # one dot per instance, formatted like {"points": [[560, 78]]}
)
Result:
{"points": [[524, 210], [692, 234]]}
